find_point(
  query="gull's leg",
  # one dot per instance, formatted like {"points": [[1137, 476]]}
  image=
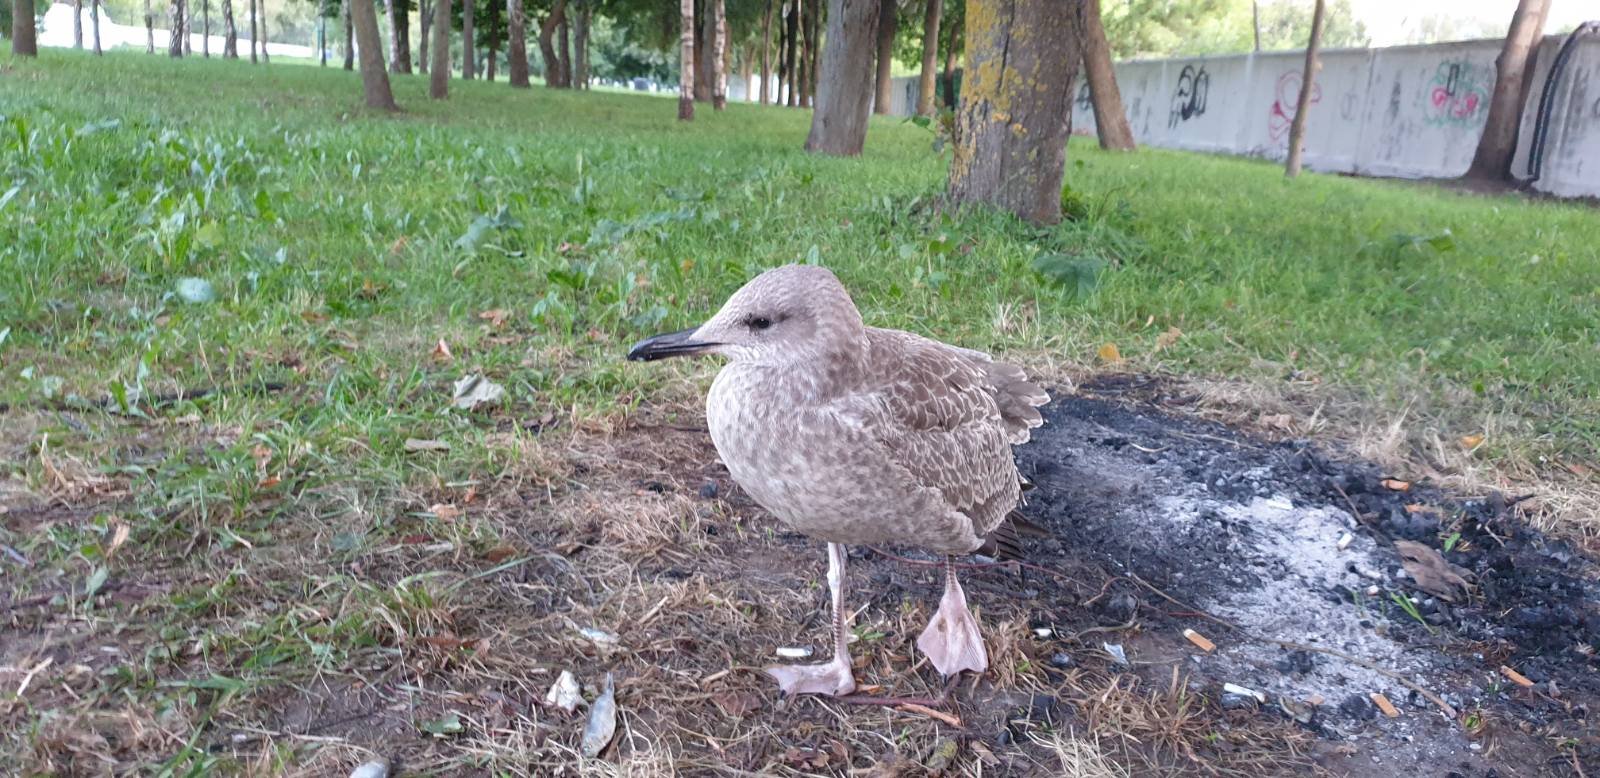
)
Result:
{"points": [[951, 640], [832, 677]]}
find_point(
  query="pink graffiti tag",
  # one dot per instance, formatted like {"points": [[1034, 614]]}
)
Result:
{"points": [[1456, 93], [1287, 96], [1460, 107]]}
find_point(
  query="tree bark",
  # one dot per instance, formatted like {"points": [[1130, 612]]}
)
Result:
{"points": [[791, 55], [1110, 119], [439, 75], [1016, 107], [149, 29], [425, 29], [230, 32], [399, 36], [813, 51], [950, 65], [469, 43], [888, 27], [374, 81], [94, 15], [564, 42], [802, 72], [686, 60], [255, 36], [766, 54], [747, 58], [349, 37], [261, 8], [205, 32], [702, 53], [24, 36], [554, 78], [77, 24], [581, 23], [517, 47], [844, 99], [175, 35], [719, 56], [927, 93], [1308, 82], [1498, 143]]}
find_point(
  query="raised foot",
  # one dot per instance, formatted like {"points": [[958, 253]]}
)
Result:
{"points": [[831, 678], [951, 640]]}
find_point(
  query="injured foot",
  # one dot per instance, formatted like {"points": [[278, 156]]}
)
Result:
{"points": [[831, 678]]}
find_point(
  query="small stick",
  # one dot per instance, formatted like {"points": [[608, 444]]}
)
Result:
{"points": [[926, 711]]}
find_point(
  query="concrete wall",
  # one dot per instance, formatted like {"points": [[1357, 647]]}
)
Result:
{"points": [[1407, 111]]}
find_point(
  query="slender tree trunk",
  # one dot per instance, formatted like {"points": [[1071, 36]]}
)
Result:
{"points": [[175, 27], [766, 53], [581, 23], [349, 37], [719, 56], [1110, 120], [261, 8], [553, 76], [439, 74], [844, 98], [149, 29], [1308, 82], [425, 27], [813, 50], [686, 61], [517, 47], [1016, 107], [702, 53], [399, 31], [802, 72], [927, 92], [1498, 143], [374, 81], [230, 32], [255, 36], [489, 67], [188, 26], [565, 44], [747, 58], [493, 9], [24, 35], [888, 28], [77, 24], [791, 55], [94, 12], [469, 42], [950, 66], [205, 33]]}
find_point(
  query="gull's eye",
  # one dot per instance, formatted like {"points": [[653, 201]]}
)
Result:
{"points": [[759, 322]]}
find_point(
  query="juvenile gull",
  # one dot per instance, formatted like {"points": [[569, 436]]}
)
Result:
{"points": [[854, 434]]}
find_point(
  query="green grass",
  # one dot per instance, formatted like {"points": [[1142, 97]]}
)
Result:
{"points": [[341, 246]]}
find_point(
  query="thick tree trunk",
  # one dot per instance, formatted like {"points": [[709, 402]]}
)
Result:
{"points": [[791, 26], [230, 32], [1308, 82], [94, 15], [553, 66], [813, 50], [469, 43], [844, 98], [439, 76], [149, 29], [399, 36], [950, 66], [489, 66], [888, 27], [1498, 143], [24, 36], [702, 53], [1016, 106], [686, 60], [374, 81], [582, 21], [1110, 119], [927, 92], [719, 56], [349, 38], [77, 24], [517, 48], [175, 11], [766, 54], [564, 42]]}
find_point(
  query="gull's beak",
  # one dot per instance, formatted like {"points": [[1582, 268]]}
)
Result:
{"points": [[671, 344]]}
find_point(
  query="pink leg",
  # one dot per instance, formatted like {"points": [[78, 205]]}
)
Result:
{"points": [[952, 641], [832, 677]]}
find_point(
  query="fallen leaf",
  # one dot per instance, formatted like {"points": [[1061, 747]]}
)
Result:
{"points": [[1278, 421], [737, 704], [441, 351], [1166, 339], [1470, 442], [269, 482], [495, 317], [119, 535], [500, 554], [414, 445], [1396, 485], [1579, 470], [1432, 573], [445, 511], [475, 390], [448, 725], [602, 725], [564, 693], [1109, 353]]}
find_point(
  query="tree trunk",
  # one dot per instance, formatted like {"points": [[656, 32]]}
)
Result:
{"points": [[261, 8], [175, 36], [492, 8], [813, 51], [686, 61], [399, 37], [566, 47], [582, 21], [553, 77], [950, 65], [439, 77], [719, 56], [702, 53], [517, 47], [888, 27], [802, 73], [425, 28], [469, 43], [349, 38], [747, 59], [322, 33], [1498, 143], [844, 99], [766, 53], [374, 81], [24, 36], [254, 35], [791, 49], [94, 12], [149, 29], [1110, 119], [230, 32], [1308, 82], [927, 93], [1016, 107], [77, 24], [489, 66], [205, 32]]}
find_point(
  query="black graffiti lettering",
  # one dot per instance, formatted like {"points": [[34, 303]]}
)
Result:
{"points": [[1453, 80], [1189, 101], [1084, 103]]}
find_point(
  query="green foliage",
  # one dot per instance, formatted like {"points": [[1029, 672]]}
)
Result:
{"points": [[1162, 28]]}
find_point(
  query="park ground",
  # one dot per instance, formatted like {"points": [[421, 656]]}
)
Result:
{"points": [[245, 530]]}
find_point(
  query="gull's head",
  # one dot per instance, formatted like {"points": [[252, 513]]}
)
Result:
{"points": [[787, 315]]}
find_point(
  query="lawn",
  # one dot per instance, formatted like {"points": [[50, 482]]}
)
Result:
{"points": [[233, 306]]}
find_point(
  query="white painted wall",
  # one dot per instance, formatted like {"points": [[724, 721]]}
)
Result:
{"points": [[56, 31]]}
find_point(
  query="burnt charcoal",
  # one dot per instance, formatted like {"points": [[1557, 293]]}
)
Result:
{"points": [[1298, 662], [1358, 707], [1119, 608]]}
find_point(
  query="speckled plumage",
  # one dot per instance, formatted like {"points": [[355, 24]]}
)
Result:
{"points": [[854, 434]]}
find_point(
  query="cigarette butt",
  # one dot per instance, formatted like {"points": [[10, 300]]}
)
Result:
{"points": [[1200, 641], [1516, 677], [1384, 705], [1345, 540]]}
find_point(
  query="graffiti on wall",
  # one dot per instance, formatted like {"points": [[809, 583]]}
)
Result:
{"points": [[1286, 99], [1189, 99], [1085, 103], [1459, 94]]}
